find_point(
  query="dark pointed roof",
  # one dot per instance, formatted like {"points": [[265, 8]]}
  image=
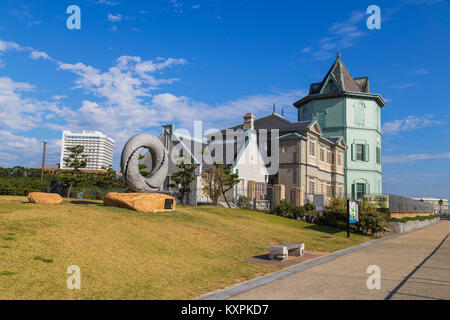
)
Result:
{"points": [[339, 82], [342, 78]]}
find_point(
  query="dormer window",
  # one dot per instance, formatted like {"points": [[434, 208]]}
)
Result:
{"points": [[331, 87]]}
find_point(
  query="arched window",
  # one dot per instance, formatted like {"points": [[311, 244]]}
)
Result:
{"points": [[360, 113]]}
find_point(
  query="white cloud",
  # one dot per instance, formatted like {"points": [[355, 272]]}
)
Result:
{"points": [[410, 123], [402, 86], [39, 55], [196, 6], [127, 103], [115, 18], [420, 71], [306, 49], [16, 112], [108, 2], [16, 150], [414, 157], [343, 34], [6, 45], [425, 2], [59, 97], [123, 100], [177, 6]]}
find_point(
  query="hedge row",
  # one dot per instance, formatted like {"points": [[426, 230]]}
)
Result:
{"points": [[418, 218]]}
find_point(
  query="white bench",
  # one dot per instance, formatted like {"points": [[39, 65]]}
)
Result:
{"points": [[282, 251]]}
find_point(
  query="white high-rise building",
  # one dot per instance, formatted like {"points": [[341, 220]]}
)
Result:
{"points": [[440, 206], [97, 146]]}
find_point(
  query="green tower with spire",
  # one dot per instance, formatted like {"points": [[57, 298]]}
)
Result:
{"points": [[344, 106]]}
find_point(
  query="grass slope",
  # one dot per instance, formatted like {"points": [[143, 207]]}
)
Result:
{"points": [[126, 255]]}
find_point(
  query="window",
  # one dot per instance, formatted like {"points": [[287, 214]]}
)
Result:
{"points": [[331, 87], [322, 154], [359, 190], [360, 152], [378, 155], [311, 187], [339, 159], [312, 148], [329, 192], [329, 157], [359, 110]]}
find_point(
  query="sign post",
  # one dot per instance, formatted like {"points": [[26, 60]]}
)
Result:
{"points": [[352, 214]]}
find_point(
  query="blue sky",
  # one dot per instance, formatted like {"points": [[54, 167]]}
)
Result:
{"points": [[136, 65]]}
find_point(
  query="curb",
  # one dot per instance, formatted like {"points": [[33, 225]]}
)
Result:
{"points": [[257, 282]]}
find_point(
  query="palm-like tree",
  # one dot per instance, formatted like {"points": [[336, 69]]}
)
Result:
{"points": [[441, 203]]}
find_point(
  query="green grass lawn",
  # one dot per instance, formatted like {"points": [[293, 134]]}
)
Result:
{"points": [[126, 255]]}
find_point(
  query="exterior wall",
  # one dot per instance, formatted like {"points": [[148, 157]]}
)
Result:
{"points": [[250, 167], [328, 112], [358, 121], [368, 133], [98, 147], [299, 168]]}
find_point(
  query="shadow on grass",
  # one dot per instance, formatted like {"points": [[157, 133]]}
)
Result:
{"points": [[43, 259], [324, 229], [84, 202]]}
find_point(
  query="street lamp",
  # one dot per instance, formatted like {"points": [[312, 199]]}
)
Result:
{"points": [[43, 163]]}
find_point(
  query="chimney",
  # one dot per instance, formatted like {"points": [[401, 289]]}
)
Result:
{"points": [[167, 131], [249, 122]]}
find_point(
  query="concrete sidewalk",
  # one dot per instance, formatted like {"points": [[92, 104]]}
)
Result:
{"points": [[413, 266]]}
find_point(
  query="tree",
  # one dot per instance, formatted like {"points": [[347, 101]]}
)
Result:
{"points": [[227, 182], [217, 181], [4, 172], [142, 167], [441, 203], [18, 172], [183, 178], [211, 186], [76, 160], [108, 179]]}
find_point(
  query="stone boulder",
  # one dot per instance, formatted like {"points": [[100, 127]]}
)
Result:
{"points": [[44, 198], [141, 202]]}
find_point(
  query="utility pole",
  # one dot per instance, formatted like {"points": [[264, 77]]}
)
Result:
{"points": [[43, 163]]}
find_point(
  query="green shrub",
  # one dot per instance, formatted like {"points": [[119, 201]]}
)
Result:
{"points": [[299, 212], [334, 214], [338, 205], [309, 208], [418, 218], [244, 203], [370, 219], [284, 209], [373, 222], [19, 182]]}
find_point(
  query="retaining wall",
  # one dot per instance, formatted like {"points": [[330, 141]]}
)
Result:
{"points": [[409, 226]]}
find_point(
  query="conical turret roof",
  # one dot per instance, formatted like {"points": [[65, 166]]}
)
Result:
{"points": [[338, 79]]}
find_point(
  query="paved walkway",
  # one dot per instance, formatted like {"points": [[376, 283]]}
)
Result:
{"points": [[413, 266]]}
